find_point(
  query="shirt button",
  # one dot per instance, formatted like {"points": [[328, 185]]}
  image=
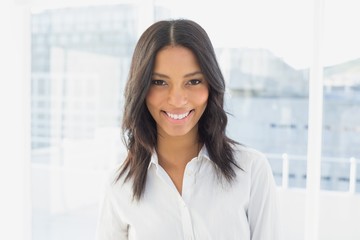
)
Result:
{"points": [[182, 203]]}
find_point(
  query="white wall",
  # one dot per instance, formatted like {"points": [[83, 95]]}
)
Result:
{"points": [[14, 123], [339, 215]]}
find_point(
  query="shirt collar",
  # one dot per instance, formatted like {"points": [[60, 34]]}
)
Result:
{"points": [[203, 154], [154, 160]]}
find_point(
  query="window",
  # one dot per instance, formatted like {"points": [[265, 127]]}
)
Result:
{"points": [[341, 118], [80, 61], [264, 48]]}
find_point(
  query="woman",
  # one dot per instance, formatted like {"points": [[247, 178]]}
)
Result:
{"points": [[183, 178]]}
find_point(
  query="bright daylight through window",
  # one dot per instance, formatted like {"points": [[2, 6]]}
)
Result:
{"points": [[80, 58]]}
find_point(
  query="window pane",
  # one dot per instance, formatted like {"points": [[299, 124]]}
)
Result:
{"points": [[264, 49], [80, 61], [341, 118]]}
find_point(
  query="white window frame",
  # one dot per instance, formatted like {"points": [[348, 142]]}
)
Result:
{"points": [[314, 141], [15, 206]]}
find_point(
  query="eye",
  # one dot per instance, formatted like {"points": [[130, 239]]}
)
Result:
{"points": [[158, 82], [194, 82]]}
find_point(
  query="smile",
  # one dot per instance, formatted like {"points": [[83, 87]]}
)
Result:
{"points": [[178, 116]]}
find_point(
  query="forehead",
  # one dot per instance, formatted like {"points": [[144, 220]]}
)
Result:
{"points": [[176, 58]]}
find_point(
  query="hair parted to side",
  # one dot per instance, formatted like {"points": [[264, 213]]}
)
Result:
{"points": [[139, 128]]}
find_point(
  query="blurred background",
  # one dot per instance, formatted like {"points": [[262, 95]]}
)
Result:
{"points": [[64, 67]]}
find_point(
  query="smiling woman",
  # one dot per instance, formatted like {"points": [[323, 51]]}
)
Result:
{"points": [[183, 178]]}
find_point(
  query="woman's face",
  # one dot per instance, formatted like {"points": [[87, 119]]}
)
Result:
{"points": [[178, 94]]}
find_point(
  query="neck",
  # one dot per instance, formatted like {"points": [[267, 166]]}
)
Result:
{"points": [[176, 152]]}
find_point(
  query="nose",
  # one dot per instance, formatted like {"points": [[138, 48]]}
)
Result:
{"points": [[177, 97]]}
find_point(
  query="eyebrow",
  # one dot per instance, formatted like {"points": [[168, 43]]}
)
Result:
{"points": [[185, 76]]}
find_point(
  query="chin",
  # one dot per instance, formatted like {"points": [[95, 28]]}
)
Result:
{"points": [[176, 133]]}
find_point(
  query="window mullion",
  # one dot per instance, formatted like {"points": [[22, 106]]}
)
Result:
{"points": [[315, 128]]}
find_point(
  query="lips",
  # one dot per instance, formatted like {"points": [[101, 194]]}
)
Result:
{"points": [[178, 116]]}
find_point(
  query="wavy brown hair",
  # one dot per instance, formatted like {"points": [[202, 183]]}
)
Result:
{"points": [[139, 128]]}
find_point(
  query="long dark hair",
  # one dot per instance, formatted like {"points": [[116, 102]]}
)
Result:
{"points": [[139, 127]]}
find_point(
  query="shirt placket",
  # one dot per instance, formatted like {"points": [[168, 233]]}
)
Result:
{"points": [[184, 198], [184, 201]]}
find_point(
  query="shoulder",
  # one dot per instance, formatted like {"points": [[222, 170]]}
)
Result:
{"points": [[256, 168], [115, 183], [250, 159]]}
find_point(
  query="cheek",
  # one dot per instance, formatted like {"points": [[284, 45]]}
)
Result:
{"points": [[149, 102], [202, 96], [151, 98]]}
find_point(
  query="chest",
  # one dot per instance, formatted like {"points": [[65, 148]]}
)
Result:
{"points": [[206, 209]]}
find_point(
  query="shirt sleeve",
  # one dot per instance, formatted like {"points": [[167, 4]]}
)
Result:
{"points": [[263, 203], [109, 225]]}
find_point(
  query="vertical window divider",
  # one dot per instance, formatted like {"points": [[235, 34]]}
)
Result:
{"points": [[315, 128], [15, 136], [27, 120]]}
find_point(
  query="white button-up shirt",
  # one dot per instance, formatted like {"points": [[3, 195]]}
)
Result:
{"points": [[207, 209]]}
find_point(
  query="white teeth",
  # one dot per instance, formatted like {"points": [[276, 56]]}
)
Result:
{"points": [[178, 116]]}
